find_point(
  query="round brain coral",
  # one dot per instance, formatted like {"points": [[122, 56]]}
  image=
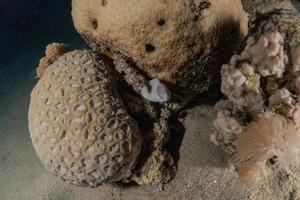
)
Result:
{"points": [[79, 126], [173, 41]]}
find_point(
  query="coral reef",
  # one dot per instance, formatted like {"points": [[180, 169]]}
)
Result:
{"points": [[79, 126], [180, 43], [81, 129], [258, 121]]}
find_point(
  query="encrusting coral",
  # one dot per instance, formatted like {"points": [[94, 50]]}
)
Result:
{"points": [[79, 126], [258, 121]]}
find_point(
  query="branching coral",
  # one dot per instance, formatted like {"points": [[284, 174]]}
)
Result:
{"points": [[268, 141], [241, 84], [241, 77], [262, 60], [260, 125], [267, 54]]}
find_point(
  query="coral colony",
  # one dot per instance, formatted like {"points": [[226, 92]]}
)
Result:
{"points": [[78, 123], [102, 115], [259, 122]]}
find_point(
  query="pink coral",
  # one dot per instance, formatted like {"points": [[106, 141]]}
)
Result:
{"points": [[267, 54]]}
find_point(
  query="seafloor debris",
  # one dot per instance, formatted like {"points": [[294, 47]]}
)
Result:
{"points": [[258, 122]]}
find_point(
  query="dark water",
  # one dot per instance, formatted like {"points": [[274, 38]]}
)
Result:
{"points": [[26, 27]]}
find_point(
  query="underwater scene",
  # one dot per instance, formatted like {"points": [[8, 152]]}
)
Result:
{"points": [[150, 100]]}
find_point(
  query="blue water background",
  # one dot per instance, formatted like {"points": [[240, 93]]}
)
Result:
{"points": [[26, 27]]}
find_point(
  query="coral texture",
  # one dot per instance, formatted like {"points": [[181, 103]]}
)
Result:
{"points": [[161, 37], [260, 78], [79, 126], [267, 141]]}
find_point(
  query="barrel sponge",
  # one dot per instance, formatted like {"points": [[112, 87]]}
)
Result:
{"points": [[161, 37], [79, 126]]}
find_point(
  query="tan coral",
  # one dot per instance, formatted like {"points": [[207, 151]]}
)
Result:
{"points": [[53, 52], [79, 126], [161, 37], [269, 140]]}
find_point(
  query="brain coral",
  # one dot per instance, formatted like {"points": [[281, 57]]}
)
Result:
{"points": [[79, 126], [161, 37]]}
